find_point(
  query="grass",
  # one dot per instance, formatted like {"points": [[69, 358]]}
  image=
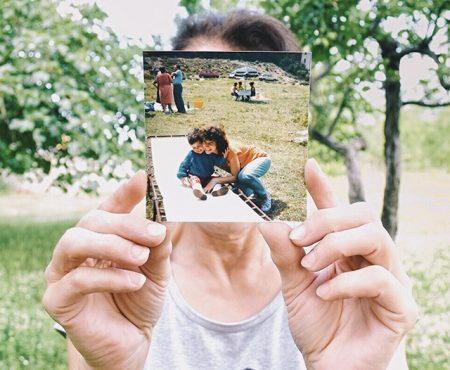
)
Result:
{"points": [[27, 339], [271, 127], [428, 344]]}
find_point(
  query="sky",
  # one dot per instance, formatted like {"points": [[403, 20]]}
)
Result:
{"points": [[140, 19]]}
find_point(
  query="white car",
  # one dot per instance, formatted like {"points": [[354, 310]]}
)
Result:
{"points": [[244, 72]]}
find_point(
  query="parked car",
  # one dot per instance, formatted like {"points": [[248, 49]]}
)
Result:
{"points": [[244, 72], [267, 76], [208, 74]]}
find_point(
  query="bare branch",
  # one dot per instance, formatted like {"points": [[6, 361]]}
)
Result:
{"points": [[423, 104], [327, 141], [339, 113]]}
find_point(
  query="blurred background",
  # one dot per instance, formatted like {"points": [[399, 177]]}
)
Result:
{"points": [[71, 128]]}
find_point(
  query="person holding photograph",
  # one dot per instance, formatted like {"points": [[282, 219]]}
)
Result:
{"points": [[197, 167], [177, 80], [131, 293], [164, 82], [245, 163]]}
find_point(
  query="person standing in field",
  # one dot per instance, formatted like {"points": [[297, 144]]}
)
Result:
{"points": [[165, 90], [177, 78]]}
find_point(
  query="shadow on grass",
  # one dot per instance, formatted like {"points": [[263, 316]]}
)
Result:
{"points": [[253, 101], [277, 207]]}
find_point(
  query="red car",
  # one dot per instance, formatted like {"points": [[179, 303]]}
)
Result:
{"points": [[208, 74]]}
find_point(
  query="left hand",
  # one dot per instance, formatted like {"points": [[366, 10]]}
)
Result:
{"points": [[349, 301], [210, 184]]}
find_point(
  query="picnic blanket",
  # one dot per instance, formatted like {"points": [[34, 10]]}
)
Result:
{"points": [[179, 202]]}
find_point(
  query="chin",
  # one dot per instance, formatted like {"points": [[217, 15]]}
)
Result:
{"points": [[228, 227]]}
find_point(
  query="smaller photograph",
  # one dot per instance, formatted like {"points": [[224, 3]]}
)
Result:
{"points": [[226, 135]]}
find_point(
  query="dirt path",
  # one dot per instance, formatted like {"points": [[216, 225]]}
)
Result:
{"points": [[424, 207], [424, 211]]}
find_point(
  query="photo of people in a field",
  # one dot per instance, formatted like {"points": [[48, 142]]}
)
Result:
{"points": [[226, 135]]}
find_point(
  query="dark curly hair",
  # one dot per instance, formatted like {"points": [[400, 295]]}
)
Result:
{"points": [[241, 28], [216, 134], [195, 135]]}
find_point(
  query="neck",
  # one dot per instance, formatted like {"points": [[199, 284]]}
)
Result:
{"points": [[219, 246], [223, 270]]}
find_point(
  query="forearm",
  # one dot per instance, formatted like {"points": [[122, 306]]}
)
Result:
{"points": [[225, 179]]}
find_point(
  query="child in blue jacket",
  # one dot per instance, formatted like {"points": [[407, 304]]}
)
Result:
{"points": [[197, 167]]}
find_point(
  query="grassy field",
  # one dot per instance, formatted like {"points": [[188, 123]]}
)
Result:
{"points": [[271, 126], [27, 339]]}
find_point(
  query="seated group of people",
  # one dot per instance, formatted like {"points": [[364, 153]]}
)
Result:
{"points": [[238, 86], [245, 163]]}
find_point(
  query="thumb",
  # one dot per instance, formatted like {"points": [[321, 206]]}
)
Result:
{"points": [[286, 256], [127, 196]]}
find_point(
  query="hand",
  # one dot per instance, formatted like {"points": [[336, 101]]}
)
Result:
{"points": [[107, 279], [349, 301], [185, 182], [210, 185]]}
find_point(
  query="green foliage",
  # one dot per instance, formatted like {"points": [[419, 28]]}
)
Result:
{"points": [[69, 92], [425, 136], [192, 6], [295, 67], [345, 37]]}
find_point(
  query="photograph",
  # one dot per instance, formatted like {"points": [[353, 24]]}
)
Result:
{"points": [[226, 135], [150, 199]]}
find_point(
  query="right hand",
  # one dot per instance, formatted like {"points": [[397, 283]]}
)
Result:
{"points": [[106, 281], [186, 182]]}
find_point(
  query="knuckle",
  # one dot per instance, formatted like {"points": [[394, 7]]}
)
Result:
{"points": [[328, 220], [410, 314], [377, 236], [70, 242], [379, 274], [90, 218], [413, 314], [77, 281], [69, 238], [48, 301], [48, 273], [332, 244]]}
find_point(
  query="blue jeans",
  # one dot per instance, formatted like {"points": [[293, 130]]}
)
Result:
{"points": [[248, 177]]}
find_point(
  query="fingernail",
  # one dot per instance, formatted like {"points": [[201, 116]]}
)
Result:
{"points": [[155, 229], [136, 279], [316, 165], [323, 290], [139, 252], [298, 233], [309, 259]]}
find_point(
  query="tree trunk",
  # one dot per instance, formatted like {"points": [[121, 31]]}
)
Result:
{"points": [[350, 153], [392, 156], [355, 185]]}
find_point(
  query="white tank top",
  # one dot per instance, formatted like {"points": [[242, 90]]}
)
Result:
{"points": [[184, 339]]}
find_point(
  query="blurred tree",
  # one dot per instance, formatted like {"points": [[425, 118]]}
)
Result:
{"points": [[69, 92], [360, 44]]}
